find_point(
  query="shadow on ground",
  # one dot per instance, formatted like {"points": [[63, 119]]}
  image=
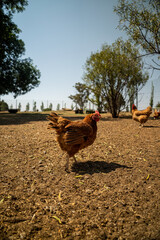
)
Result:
{"points": [[21, 118], [92, 167], [151, 126]]}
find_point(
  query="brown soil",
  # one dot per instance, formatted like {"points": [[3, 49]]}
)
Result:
{"points": [[112, 193]]}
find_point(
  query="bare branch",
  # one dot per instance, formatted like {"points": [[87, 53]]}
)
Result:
{"points": [[156, 63], [146, 54], [153, 67]]}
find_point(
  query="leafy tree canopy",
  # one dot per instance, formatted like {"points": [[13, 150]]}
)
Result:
{"points": [[141, 21], [82, 96], [111, 73], [17, 76], [14, 5]]}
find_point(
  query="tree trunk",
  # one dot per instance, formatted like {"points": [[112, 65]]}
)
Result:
{"points": [[99, 109], [114, 108], [114, 112]]}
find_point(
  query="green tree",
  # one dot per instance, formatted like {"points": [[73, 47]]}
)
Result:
{"points": [[82, 96], [72, 107], [111, 72], [140, 19], [42, 106], [17, 76], [27, 107], [3, 106], [19, 106], [34, 106], [158, 105], [152, 95], [58, 107], [50, 106]]}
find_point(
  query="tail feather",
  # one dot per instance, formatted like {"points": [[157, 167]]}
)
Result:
{"points": [[52, 125], [53, 117], [57, 122]]}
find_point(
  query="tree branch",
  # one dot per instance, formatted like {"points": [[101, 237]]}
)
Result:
{"points": [[145, 39]]}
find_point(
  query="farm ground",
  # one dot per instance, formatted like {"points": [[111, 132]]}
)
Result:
{"points": [[112, 193]]}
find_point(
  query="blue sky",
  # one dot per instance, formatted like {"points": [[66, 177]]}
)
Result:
{"points": [[59, 36]]}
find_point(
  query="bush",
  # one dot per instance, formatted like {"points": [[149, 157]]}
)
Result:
{"points": [[79, 111], [13, 110], [47, 109], [88, 111], [3, 106]]}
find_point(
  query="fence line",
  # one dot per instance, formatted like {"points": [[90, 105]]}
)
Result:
{"points": [[15, 103]]}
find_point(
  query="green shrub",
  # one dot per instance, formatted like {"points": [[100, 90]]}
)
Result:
{"points": [[47, 109], [3, 106]]}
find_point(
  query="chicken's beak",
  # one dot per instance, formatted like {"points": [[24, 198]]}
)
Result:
{"points": [[98, 117]]}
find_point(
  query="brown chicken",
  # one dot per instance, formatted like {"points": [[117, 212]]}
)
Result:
{"points": [[141, 116], [73, 136], [156, 114]]}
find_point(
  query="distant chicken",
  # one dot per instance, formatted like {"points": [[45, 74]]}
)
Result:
{"points": [[141, 116], [73, 136], [156, 114]]}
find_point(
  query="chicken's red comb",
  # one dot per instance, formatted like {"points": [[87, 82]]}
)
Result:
{"points": [[97, 112], [133, 106], [96, 116]]}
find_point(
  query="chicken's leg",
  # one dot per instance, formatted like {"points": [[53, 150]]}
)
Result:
{"points": [[67, 163], [75, 159]]}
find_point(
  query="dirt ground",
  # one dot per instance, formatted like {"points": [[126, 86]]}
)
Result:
{"points": [[112, 193]]}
